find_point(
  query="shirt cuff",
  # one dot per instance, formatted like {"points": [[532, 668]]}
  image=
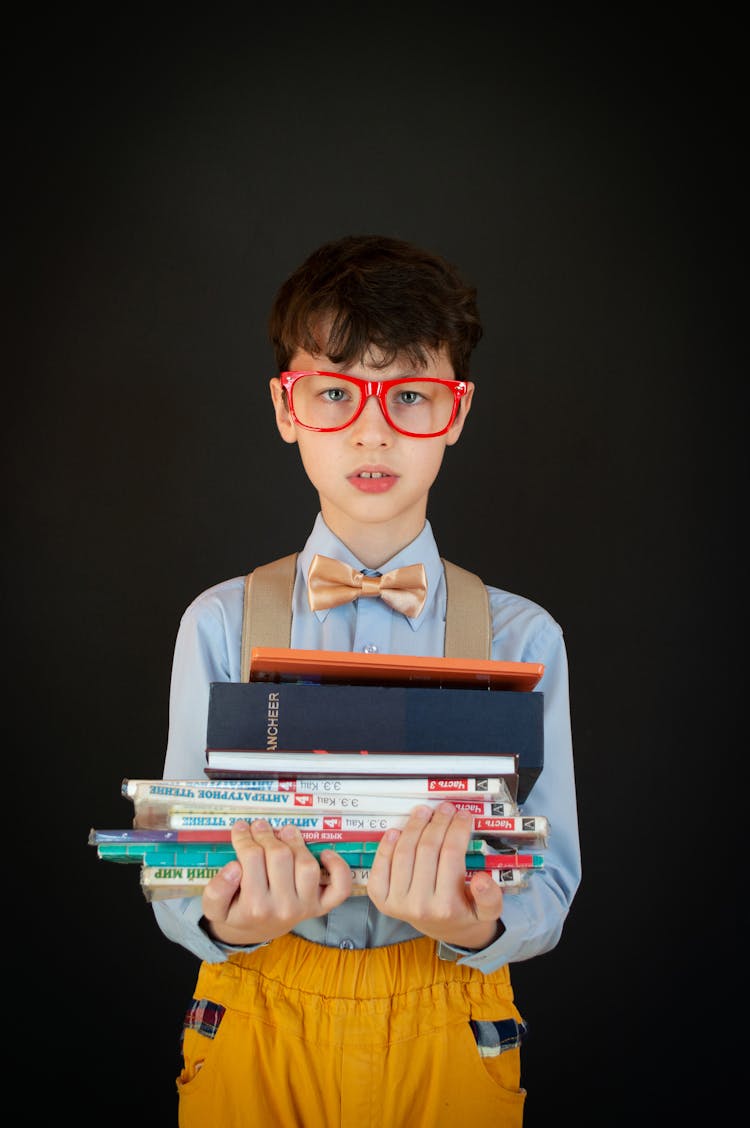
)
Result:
{"points": [[229, 948], [451, 953], [179, 920]]}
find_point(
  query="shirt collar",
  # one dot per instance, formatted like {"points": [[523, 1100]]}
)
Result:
{"points": [[422, 550]]}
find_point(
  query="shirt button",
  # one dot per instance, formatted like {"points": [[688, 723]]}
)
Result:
{"points": [[370, 648], [346, 943]]}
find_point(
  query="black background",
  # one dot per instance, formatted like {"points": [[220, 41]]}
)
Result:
{"points": [[163, 181]]}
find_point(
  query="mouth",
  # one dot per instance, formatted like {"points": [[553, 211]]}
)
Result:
{"points": [[373, 473], [376, 480]]}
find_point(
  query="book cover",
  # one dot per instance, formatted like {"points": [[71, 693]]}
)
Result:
{"points": [[295, 716], [346, 667]]}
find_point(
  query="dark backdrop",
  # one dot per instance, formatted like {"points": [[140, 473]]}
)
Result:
{"points": [[163, 183]]}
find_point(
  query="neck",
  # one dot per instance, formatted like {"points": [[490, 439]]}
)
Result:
{"points": [[376, 543]]}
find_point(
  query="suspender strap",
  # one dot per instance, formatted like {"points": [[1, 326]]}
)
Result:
{"points": [[267, 613], [468, 623]]}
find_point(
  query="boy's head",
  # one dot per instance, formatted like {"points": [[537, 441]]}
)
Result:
{"points": [[371, 296]]}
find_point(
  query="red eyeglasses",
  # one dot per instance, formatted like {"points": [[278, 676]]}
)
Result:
{"points": [[421, 407]]}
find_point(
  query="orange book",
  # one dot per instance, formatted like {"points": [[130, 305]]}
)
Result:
{"points": [[343, 667]]}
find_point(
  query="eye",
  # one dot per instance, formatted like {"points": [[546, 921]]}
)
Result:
{"points": [[335, 395], [409, 398]]}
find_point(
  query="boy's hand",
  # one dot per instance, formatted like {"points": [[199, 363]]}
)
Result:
{"points": [[419, 876], [273, 885]]}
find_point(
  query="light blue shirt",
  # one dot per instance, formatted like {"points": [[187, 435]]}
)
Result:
{"points": [[207, 649]]}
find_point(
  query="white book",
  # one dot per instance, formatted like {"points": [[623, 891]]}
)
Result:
{"points": [[337, 827], [218, 792], [235, 763], [273, 803], [491, 818]]}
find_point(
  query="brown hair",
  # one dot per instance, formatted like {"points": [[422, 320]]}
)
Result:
{"points": [[375, 291]]}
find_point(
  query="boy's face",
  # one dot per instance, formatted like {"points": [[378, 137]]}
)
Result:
{"points": [[374, 516]]}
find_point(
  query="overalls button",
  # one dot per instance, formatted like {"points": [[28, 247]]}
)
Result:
{"points": [[346, 943]]}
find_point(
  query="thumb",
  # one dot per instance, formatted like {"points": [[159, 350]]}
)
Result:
{"points": [[339, 884], [487, 896], [220, 892]]}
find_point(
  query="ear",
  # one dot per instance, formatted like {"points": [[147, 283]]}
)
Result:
{"points": [[284, 421], [463, 410]]}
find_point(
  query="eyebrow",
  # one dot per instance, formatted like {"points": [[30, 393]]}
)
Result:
{"points": [[378, 376]]}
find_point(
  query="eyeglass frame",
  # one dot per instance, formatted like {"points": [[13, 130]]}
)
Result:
{"points": [[377, 388]]}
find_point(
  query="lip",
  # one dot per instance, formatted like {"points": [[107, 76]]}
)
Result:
{"points": [[367, 484]]}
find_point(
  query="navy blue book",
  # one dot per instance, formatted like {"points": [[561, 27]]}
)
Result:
{"points": [[296, 717]]}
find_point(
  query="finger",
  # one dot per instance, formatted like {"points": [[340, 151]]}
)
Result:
{"points": [[404, 851], [242, 837], [447, 822], [441, 851], [263, 834], [487, 897], [460, 831], [252, 841], [291, 835], [456, 831], [304, 867], [339, 885], [387, 848], [276, 851], [378, 883], [220, 892], [223, 889]]}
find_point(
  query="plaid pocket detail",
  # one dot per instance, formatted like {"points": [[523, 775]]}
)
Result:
{"points": [[494, 1038], [204, 1017]]}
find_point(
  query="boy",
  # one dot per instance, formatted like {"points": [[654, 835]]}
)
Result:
{"points": [[314, 1007]]}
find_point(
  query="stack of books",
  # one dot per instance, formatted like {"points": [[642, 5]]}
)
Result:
{"points": [[398, 732]]}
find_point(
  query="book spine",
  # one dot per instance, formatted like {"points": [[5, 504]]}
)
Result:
{"points": [[218, 854], [180, 817], [342, 667], [493, 822], [315, 824], [468, 787], [223, 791], [504, 861], [165, 854], [236, 763], [162, 882], [518, 826], [183, 855], [166, 817], [135, 835], [289, 717]]}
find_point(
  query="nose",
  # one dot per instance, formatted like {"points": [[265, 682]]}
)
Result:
{"points": [[371, 428]]}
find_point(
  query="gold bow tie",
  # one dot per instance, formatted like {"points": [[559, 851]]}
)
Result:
{"points": [[330, 582]]}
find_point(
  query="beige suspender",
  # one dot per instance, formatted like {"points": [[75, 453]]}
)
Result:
{"points": [[267, 614], [267, 611], [468, 623]]}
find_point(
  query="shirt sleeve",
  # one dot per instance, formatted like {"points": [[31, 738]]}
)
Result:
{"points": [[206, 650], [534, 916]]}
